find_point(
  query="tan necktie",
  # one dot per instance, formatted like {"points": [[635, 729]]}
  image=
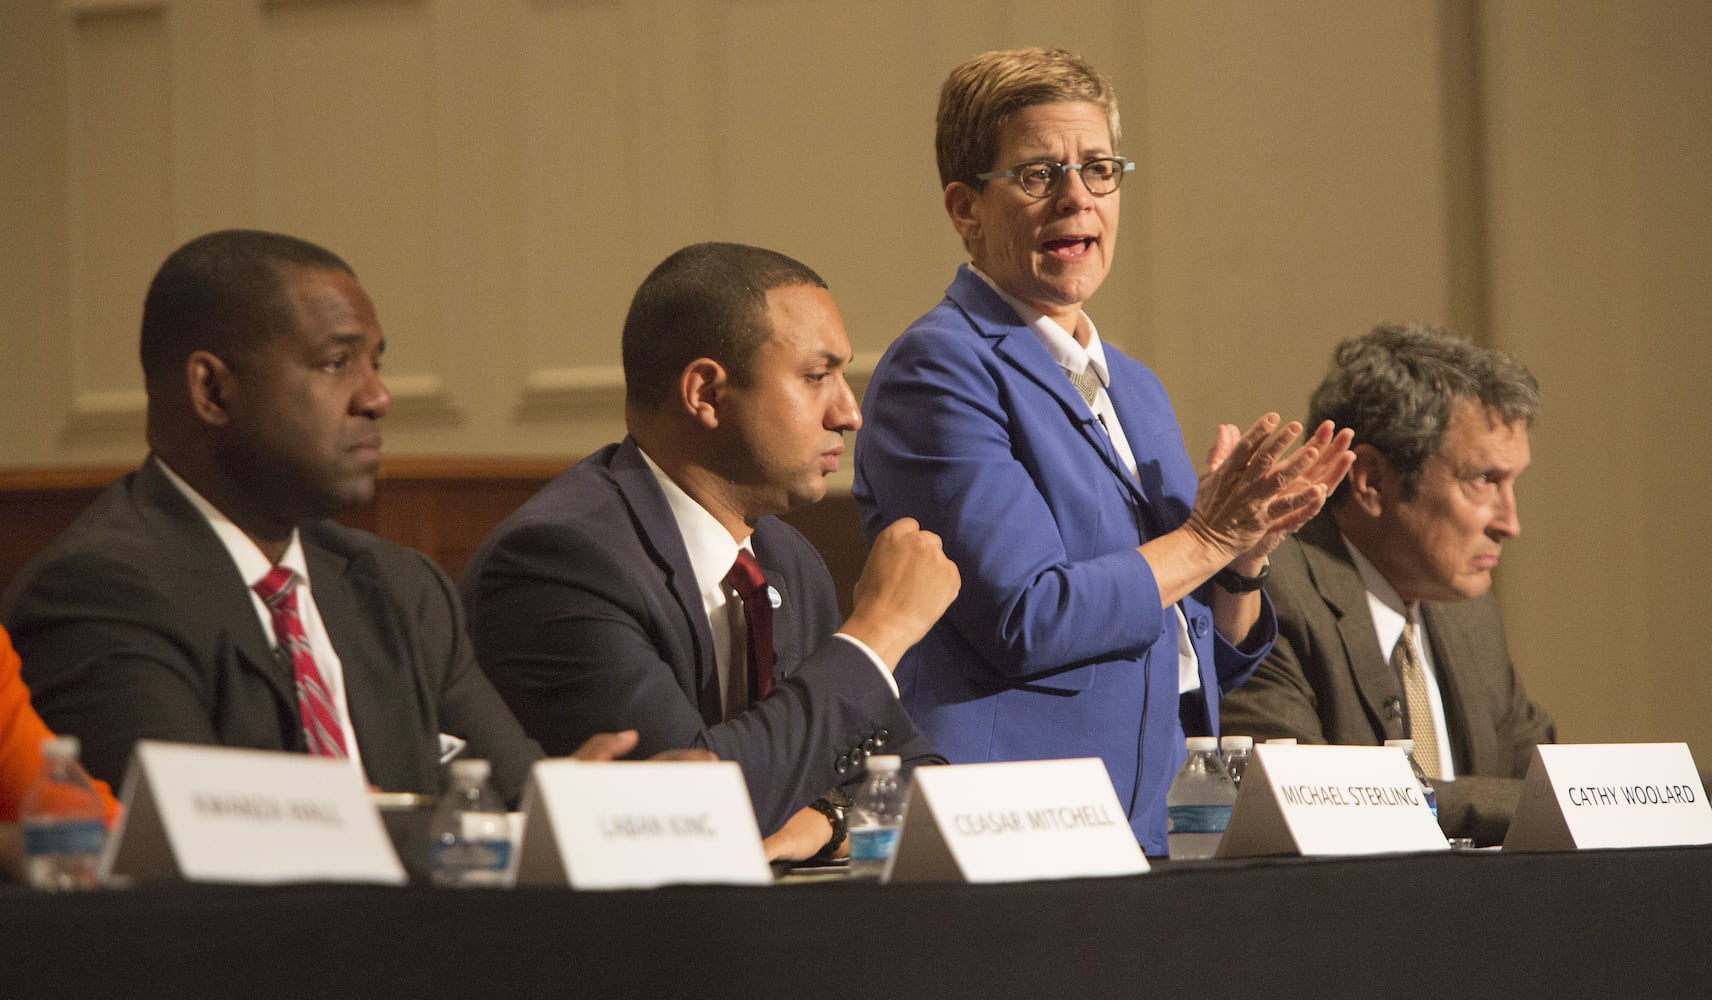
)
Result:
{"points": [[1086, 383], [1407, 663]]}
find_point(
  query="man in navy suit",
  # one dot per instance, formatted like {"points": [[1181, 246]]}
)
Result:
{"points": [[607, 595], [1111, 589]]}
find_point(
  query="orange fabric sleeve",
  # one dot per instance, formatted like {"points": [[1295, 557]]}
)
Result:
{"points": [[21, 734]]}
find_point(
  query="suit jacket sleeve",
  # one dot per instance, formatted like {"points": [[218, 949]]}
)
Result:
{"points": [[1277, 700], [105, 661], [578, 641]]}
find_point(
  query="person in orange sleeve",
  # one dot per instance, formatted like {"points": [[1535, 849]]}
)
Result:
{"points": [[21, 734]]}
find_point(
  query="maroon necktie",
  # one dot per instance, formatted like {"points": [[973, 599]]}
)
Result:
{"points": [[745, 578], [321, 727]]}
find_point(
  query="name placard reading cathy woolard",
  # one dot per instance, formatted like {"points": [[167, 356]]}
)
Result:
{"points": [[1012, 822], [639, 824], [1320, 800], [1610, 795], [218, 814]]}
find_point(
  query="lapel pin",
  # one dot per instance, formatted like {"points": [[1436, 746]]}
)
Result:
{"points": [[773, 596]]}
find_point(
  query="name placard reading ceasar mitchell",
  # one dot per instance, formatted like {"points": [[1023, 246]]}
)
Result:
{"points": [[1610, 795], [1012, 822], [218, 814], [1319, 800], [639, 824]]}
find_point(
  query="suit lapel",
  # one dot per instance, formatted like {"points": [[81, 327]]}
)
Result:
{"points": [[1015, 344], [346, 602], [787, 644], [1340, 586], [383, 686], [659, 534], [206, 574], [1471, 733]]}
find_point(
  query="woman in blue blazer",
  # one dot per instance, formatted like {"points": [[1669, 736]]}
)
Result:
{"points": [[1109, 594]]}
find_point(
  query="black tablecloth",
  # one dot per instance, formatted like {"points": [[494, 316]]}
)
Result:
{"points": [[1592, 924]]}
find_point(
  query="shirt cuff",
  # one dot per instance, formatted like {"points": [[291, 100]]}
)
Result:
{"points": [[879, 664]]}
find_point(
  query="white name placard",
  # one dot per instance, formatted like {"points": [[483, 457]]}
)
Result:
{"points": [[1013, 822], [1329, 800], [219, 814], [639, 824], [1610, 795]]}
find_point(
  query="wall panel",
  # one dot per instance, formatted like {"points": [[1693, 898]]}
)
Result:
{"points": [[589, 163], [1599, 123], [347, 124], [120, 116]]}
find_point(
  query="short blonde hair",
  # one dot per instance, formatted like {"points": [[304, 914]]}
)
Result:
{"points": [[981, 95]]}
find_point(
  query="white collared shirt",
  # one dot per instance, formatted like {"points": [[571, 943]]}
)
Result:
{"points": [[252, 567], [1073, 357], [1390, 614], [712, 551]]}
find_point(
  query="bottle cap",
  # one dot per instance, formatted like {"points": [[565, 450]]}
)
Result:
{"points": [[1236, 743], [61, 748], [885, 762], [1200, 744], [471, 769]]}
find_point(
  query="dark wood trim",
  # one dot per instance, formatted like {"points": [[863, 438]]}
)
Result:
{"points": [[443, 506]]}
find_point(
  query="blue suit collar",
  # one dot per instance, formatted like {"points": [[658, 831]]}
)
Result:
{"points": [[1014, 342]]}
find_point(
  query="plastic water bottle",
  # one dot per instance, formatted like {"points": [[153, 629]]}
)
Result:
{"points": [[1236, 750], [1198, 804], [876, 816], [63, 822], [1408, 748], [471, 833]]}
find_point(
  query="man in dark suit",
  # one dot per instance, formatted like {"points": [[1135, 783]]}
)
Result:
{"points": [[1393, 579], [607, 595], [146, 619]]}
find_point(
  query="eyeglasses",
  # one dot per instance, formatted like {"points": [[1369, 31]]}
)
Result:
{"points": [[1043, 178]]}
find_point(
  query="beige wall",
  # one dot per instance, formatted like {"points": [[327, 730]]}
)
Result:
{"points": [[1537, 173]]}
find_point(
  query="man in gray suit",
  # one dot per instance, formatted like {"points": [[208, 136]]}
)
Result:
{"points": [[1391, 582], [148, 619]]}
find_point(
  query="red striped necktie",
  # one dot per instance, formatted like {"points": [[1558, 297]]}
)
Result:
{"points": [[321, 729], [746, 579]]}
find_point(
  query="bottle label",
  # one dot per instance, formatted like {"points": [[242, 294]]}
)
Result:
{"points": [[872, 843], [1198, 819], [85, 836], [474, 855]]}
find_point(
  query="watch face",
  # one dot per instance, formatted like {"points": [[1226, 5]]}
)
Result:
{"points": [[838, 797]]}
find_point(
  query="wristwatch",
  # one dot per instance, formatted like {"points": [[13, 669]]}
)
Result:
{"points": [[1233, 582], [832, 805]]}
